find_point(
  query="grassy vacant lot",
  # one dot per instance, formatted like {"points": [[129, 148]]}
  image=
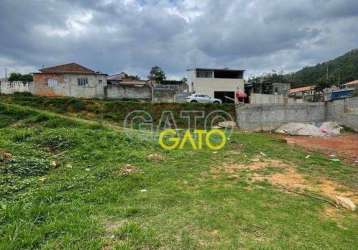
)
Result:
{"points": [[113, 111], [72, 184]]}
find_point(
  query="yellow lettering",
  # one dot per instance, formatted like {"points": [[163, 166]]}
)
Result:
{"points": [[213, 146], [200, 134], [174, 140], [187, 136]]}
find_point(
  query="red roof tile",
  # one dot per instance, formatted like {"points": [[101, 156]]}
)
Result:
{"points": [[302, 89], [70, 68]]}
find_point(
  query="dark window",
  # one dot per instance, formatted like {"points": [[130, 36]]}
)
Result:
{"points": [[82, 81], [204, 74], [228, 74]]}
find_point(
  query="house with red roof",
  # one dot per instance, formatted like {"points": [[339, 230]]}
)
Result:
{"points": [[69, 80]]}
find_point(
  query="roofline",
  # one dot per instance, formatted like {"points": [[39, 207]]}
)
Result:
{"points": [[229, 70], [91, 71], [65, 64], [301, 89], [69, 73]]}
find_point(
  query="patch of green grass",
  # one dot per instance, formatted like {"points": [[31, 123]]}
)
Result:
{"points": [[175, 203], [114, 111]]}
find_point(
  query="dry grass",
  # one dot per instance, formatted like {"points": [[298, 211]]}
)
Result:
{"points": [[286, 177]]}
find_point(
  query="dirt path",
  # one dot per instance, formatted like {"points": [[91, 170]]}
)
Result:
{"points": [[345, 145]]}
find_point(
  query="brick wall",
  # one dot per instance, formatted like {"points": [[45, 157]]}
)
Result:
{"points": [[41, 85]]}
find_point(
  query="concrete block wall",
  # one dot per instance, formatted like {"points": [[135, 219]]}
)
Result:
{"points": [[128, 92], [160, 95], [345, 112], [164, 96], [269, 117], [272, 99]]}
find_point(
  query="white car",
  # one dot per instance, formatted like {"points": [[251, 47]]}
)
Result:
{"points": [[199, 98]]}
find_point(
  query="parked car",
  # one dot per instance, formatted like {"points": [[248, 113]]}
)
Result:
{"points": [[199, 98]]}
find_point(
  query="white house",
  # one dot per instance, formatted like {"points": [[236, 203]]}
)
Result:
{"points": [[217, 83]]}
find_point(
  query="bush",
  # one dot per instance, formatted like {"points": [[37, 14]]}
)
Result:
{"points": [[22, 94]]}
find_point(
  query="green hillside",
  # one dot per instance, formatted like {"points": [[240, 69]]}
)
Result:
{"points": [[340, 70]]}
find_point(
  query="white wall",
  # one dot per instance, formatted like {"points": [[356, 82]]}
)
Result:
{"points": [[208, 86], [94, 89], [12, 87]]}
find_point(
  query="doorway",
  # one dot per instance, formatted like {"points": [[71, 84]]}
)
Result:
{"points": [[225, 96]]}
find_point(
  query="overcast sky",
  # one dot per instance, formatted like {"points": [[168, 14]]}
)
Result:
{"points": [[132, 35]]}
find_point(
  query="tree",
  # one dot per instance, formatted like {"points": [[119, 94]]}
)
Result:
{"points": [[157, 74], [184, 80], [27, 78], [14, 77]]}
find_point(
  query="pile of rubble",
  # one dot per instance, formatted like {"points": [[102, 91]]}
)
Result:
{"points": [[325, 129]]}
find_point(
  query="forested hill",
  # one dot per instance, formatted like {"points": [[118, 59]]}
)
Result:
{"points": [[340, 70]]}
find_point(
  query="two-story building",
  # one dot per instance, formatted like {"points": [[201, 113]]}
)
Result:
{"points": [[69, 80], [217, 83]]}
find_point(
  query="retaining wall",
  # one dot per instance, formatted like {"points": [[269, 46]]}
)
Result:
{"points": [[269, 117], [345, 112], [128, 92]]}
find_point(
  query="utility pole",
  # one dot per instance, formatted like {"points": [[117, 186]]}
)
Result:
{"points": [[339, 78], [5, 74]]}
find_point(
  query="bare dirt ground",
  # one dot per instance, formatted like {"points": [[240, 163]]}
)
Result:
{"points": [[345, 146], [290, 180]]}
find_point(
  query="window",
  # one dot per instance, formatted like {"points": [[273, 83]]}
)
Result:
{"points": [[82, 81], [52, 83], [228, 74], [204, 74], [100, 81]]}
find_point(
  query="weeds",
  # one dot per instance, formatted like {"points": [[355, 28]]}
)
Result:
{"points": [[55, 143], [26, 166]]}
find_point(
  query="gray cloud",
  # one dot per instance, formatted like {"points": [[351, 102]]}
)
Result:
{"points": [[133, 35]]}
